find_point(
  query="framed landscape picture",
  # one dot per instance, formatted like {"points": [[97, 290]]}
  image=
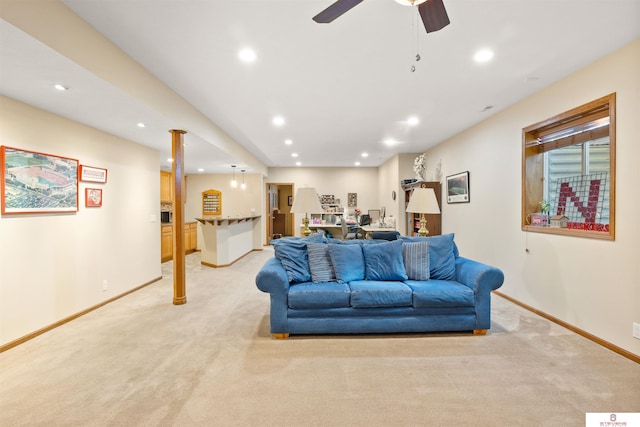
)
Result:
{"points": [[458, 188], [35, 182]]}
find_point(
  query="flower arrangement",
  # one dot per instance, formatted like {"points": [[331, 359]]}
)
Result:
{"points": [[545, 206], [420, 167]]}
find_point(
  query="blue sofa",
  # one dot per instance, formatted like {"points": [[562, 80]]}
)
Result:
{"points": [[322, 286]]}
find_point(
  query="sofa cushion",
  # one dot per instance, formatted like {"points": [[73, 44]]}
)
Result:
{"points": [[442, 255], [442, 261], [348, 262], [416, 259], [373, 293], [320, 264], [440, 293], [292, 253], [319, 295], [384, 261]]}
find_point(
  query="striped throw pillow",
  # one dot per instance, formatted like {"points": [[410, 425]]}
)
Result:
{"points": [[320, 263], [416, 259]]}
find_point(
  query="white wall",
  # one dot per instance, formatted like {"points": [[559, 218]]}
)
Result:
{"points": [[52, 265], [235, 201], [336, 181], [591, 284]]}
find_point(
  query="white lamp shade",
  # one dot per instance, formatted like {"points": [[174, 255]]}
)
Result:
{"points": [[423, 200], [306, 201]]}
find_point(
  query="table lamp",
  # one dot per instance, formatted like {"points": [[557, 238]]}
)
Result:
{"points": [[306, 202], [423, 201]]}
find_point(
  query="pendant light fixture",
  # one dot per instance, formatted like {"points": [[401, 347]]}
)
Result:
{"points": [[234, 183], [243, 185]]}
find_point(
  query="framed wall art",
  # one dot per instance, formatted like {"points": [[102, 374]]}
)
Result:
{"points": [[458, 188], [93, 197], [93, 174], [34, 182], [352, 200]]}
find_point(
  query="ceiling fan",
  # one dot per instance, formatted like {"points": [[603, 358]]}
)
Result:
{"points": [[433, 14]]}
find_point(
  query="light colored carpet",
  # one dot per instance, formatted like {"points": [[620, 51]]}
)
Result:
{"points": [[141, 361]]}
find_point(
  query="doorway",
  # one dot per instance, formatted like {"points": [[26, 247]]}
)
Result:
{"points": [[280, 220]]}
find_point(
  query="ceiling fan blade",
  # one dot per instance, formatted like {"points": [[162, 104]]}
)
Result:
{"points": [[434, 16], [335, 10]]}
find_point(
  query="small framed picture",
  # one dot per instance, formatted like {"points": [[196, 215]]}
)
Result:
{"points": [[458, 188], [93, 174], [93, 197]]}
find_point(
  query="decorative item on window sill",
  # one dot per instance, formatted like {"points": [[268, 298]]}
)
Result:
{"points": [[420, 167]]}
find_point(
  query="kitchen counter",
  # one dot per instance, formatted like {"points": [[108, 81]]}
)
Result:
{"points": [[227, 239]]}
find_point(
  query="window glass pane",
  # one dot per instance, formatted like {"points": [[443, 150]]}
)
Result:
{"points": [[582, 169]]}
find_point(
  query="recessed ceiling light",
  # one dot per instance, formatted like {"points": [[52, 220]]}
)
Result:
{"points": [[483, 55], [390, 142], [413, 120], [278, 120], [60, 87], [170, 160], [288, 141], [294, 154], [200, 170], [141, 125], [298, 164], [357, 163], [365, 154], [247, 55]]}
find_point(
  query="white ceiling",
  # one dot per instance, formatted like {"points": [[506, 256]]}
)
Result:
{"points": [[343, 88]]}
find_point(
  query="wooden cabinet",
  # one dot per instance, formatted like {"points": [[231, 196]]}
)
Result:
{"points": [[434, 221], [166, 187], [191, 237], [166, 240], [166, 243]]}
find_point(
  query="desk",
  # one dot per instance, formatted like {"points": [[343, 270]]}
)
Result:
{"points": [[368, 229], [334, 229]]}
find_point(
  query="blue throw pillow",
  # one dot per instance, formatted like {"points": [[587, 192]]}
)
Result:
{"points": [[292, 253], [384, 261], [442, 255], [442, 261], [320, 263], [416, 259], [348, 262]]}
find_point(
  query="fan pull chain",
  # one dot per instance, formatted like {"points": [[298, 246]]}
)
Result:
{"points": [[414, 28]]}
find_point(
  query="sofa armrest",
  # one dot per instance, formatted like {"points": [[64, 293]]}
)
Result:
{"points": [[483, 279], [272, 277], [478, 276]]}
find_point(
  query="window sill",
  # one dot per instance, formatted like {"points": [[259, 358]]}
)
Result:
{"points": [[569, 232]]}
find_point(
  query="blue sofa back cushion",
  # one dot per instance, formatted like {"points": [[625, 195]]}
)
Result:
{"points": [[416, 259], [442, 255], [384, 261], [292, 253], [348, 262], [320, 264]]}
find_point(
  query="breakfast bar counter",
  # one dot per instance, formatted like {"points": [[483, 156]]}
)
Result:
{"points": [[227, 239]]}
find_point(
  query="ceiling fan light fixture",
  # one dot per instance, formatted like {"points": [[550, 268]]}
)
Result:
{"points": [[410, 2]]}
